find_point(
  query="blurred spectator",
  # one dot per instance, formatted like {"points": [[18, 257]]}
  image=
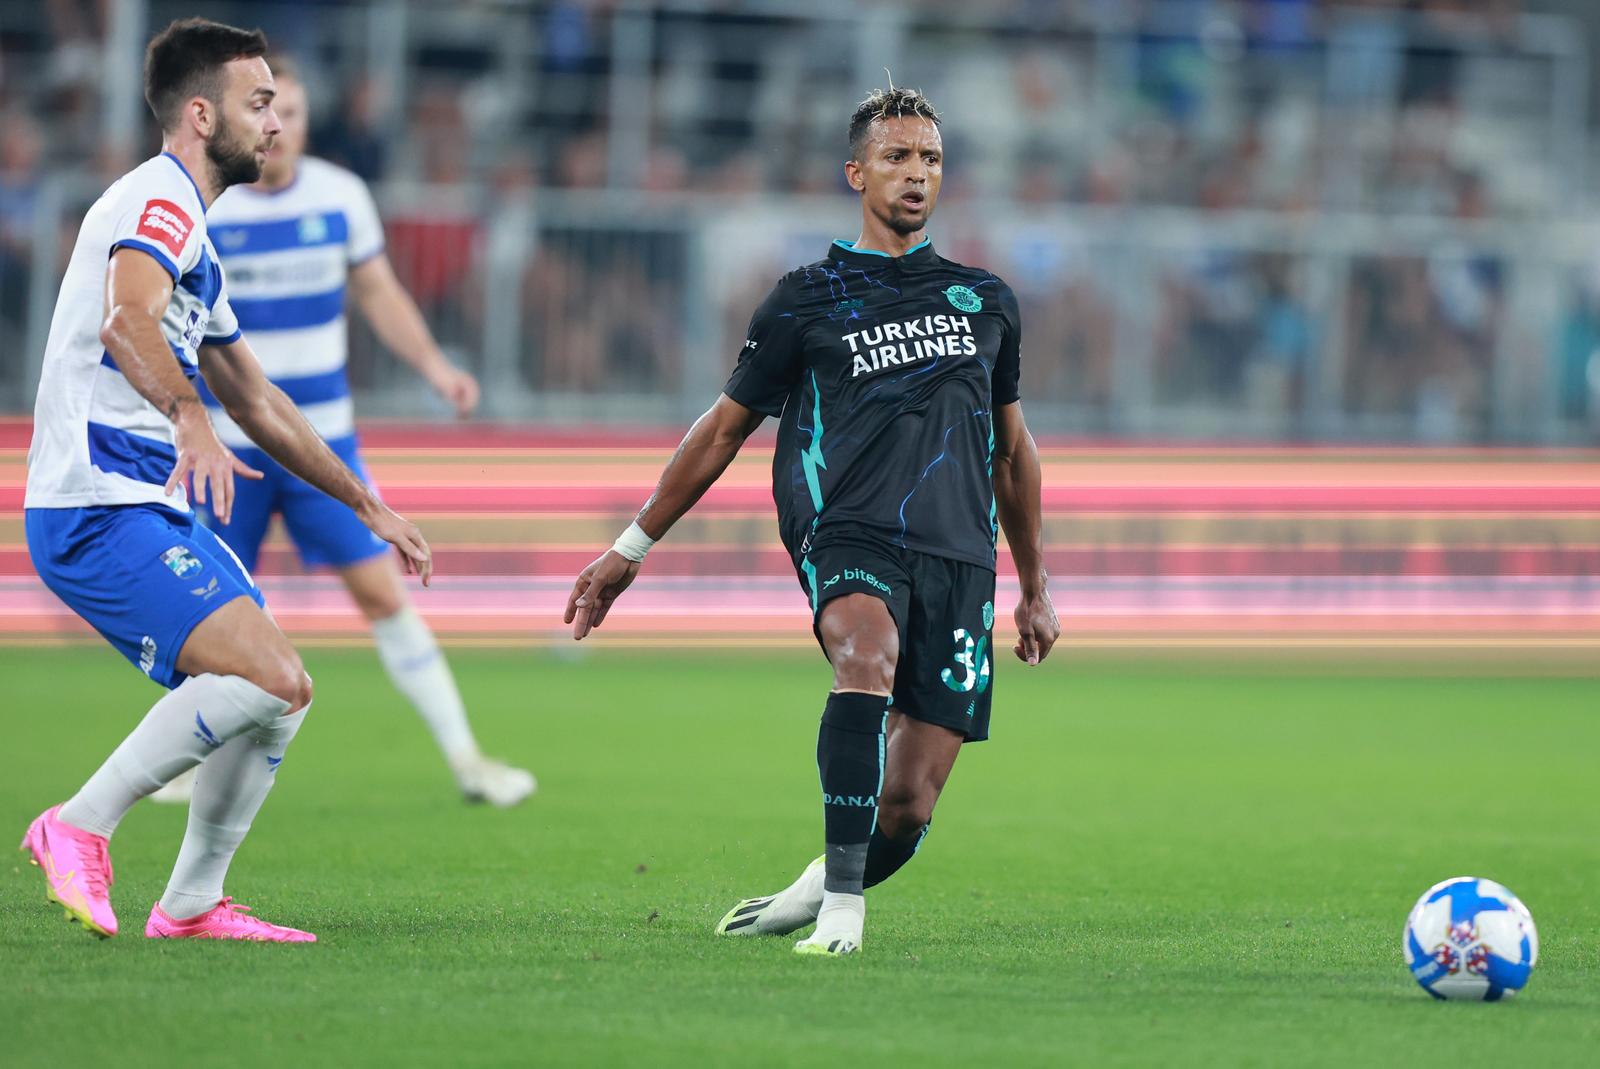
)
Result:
{"points": [[1422, 339], [1434, 110], [1282, 357], [441, 151], [350, 134], [666, 171], [1068, 318], [21, 147], [603, 311], [1182, 102], [77, 26], [1577, 356], [581, 163]]}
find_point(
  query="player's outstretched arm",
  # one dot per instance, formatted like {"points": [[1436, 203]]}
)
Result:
{"points": [[272, 421], [398, 323], [702, 457], [138, 290], [1017, 486]]}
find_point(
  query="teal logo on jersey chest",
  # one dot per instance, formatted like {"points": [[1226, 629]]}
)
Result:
{"points": [[314, 230], [854, 305], [963, 299]]}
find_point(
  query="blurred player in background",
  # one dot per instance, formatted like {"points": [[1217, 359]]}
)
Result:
{"points": [[293, 244], [901, 450], [118, 428]]}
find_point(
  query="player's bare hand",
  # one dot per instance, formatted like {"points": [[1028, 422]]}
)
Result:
{"points": [[1037, 627], [206, 462], [597, 587], [459, 388], [404, 536]]}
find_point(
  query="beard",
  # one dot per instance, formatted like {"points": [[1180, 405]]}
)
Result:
{"points": [[902, 223], [233, 162]]}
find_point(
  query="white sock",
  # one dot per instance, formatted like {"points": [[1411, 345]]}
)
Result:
{"points": [[839, 907], [840, 919], [190, 723], [417, 667], [228, 792]]}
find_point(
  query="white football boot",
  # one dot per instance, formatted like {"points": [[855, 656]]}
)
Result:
{"points": [[789, 910], [178, 790], [839, 925], [484, 780]]}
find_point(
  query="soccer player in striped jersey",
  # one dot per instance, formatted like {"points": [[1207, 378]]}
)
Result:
{"points": [[296, 245], [119, 428]]}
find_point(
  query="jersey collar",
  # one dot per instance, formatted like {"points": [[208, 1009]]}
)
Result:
{"points": [[293, 182], [847, 251], [179, 165]]}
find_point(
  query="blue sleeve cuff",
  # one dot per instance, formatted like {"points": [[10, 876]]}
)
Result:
{"points": [[218, 339], [150, 250]]}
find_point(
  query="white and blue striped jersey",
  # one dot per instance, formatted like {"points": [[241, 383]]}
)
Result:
{"points": [[288, 255], [96, 441]]}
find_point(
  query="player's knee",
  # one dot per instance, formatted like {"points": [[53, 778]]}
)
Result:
{"points": [[284, 677], [904, 809], [864, 666], [305, 693], [381, 603]]}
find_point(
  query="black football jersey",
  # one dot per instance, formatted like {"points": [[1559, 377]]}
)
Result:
{"points": [[885, 373]]}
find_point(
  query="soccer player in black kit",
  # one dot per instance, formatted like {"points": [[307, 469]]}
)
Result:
{"points": [[901, 452]]}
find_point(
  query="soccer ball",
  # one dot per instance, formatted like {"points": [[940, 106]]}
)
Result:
{"points": [[1471, 939]]}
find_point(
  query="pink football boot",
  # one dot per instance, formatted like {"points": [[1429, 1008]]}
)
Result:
{"points": [[223, 921], [77, 871]]}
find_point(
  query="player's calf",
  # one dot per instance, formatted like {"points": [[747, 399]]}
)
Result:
{"points": [[189, 724], [229, 791], [921, 756], [904, 814], [850, 760], [904, 810], [888, 854]]}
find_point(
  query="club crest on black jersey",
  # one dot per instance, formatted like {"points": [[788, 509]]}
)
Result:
{"points": [[885, 373]]}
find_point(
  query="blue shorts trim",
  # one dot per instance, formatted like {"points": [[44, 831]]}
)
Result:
{"points": [[325, 532], [143, 575]]}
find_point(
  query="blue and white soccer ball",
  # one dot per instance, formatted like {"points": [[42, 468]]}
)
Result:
{"points": [[1468, 938]]}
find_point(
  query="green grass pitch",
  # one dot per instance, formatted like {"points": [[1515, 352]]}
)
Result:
{"points": [[1151, 864]]}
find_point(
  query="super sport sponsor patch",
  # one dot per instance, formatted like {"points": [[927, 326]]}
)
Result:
{"points": [[164, 222]]}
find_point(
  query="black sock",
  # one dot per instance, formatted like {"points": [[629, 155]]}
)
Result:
{"points": [[850, 755], [886, 856]]}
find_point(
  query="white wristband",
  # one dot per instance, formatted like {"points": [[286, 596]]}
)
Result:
{"points": [[633, 543]]}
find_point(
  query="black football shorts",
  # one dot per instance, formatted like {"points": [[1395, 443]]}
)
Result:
{"points": [[944, 610]]}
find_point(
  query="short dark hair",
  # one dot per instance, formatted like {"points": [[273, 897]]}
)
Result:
{"points": [[185, 60], [890, 103]]}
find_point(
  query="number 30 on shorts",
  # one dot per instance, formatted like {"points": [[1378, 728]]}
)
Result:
{"points": [[972, 658]]}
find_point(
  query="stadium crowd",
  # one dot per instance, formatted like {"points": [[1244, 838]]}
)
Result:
{"points": [[1289, 108]]}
